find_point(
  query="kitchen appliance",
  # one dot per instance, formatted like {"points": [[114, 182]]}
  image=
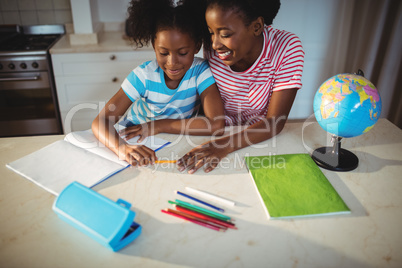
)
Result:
{"points": [[28, 100]]}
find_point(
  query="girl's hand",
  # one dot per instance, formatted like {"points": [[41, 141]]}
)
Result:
{"points": [[208, 155], [137, 155], [142, 130]]}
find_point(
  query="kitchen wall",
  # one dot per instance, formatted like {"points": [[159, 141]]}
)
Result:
{"points": [[112, 11], [29, 12]]}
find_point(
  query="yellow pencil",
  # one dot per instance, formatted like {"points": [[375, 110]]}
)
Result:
{"points": [[165, 161]]}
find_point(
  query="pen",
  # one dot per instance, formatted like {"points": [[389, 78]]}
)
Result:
{"points": [[200, 201], [205, 217], [210, 196], [200, 210], [193, 221]]}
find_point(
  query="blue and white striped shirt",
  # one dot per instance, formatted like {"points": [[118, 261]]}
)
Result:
{"points": [[153, 100]]}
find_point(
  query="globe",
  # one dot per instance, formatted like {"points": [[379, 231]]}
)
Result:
{"points": [[347, 105]]}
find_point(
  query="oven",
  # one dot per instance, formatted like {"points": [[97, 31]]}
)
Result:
{"points": [[28, 100]]}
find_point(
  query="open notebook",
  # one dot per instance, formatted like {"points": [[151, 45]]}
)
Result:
{"points": [[292, 185], [79, 157]]}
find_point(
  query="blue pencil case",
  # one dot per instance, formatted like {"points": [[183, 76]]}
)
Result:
{"points": [[110, 223]]}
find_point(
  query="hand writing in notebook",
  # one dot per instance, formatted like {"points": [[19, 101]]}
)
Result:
{"points": [[137, 154]]}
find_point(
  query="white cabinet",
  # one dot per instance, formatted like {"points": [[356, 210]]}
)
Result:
{"points": [[86, 81]]}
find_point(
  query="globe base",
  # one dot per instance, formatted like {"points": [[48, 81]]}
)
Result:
{"points": [[339, 160]]}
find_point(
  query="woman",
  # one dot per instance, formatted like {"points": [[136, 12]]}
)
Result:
{"points": [[258, 71]]}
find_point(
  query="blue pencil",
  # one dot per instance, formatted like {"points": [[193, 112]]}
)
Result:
{"points": [[200, 201], [166, 144]]}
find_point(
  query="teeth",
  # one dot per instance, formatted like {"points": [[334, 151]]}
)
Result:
{"points": [[224, 54]]}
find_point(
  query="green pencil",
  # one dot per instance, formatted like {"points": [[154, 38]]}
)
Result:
{"points": [[201, 210]]}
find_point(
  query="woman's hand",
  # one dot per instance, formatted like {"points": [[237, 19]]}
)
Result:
{"points": [[137, 155], [208, 155], [142, 130]]}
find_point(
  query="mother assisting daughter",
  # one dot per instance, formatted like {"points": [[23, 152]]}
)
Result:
{"points": [[258, 71], [160, 96]]}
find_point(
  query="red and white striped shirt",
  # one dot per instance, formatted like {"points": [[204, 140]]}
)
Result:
{"points": [[246, 94]]}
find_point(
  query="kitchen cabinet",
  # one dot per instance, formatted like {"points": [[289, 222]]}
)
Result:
{"points": [[86, 81]]}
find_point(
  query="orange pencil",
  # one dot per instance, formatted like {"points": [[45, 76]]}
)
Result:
{"points": [[165, 161]]}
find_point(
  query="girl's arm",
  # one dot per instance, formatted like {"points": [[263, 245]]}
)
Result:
{"points": [[212, 124], [103, 129], [209, 154]]}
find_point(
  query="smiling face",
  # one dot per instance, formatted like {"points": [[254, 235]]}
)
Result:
{"points": [[238, 45], [175, 54]]}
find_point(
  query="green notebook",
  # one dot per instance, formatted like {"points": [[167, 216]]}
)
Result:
{"points": [[292, 185]]}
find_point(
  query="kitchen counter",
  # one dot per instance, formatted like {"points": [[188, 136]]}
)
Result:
{"points": [[31, 235], [108, 42]]}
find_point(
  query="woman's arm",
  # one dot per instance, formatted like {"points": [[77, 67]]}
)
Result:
{"points": [[209, 154], [103, 129], [212, 124]]}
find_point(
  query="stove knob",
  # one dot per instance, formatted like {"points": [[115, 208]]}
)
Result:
{"points": [[35, 64], [23, 65], [11, 66]]}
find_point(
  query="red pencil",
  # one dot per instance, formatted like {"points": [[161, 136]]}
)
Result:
{"points": [[196, 218], [206, 217], [194, 221]]}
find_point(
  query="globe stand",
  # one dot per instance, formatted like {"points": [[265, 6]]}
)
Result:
{"points": [[335, 158]]}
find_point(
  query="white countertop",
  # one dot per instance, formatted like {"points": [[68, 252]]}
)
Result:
{"points": [[108, 41], [33, 236]]}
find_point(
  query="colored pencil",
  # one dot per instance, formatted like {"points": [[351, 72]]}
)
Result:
{"points": [[193, 221], [200, 201], [165, 161], [200, 210], [194, 208], [184, 214], [206, 217], [210, 197], [212, 213], [166, 144]]}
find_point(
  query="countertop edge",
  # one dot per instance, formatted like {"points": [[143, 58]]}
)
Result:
{"points": [[108, 42]]}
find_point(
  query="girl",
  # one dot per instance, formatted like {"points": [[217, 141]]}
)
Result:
{"points": [[258, 71], [161, 95]]}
